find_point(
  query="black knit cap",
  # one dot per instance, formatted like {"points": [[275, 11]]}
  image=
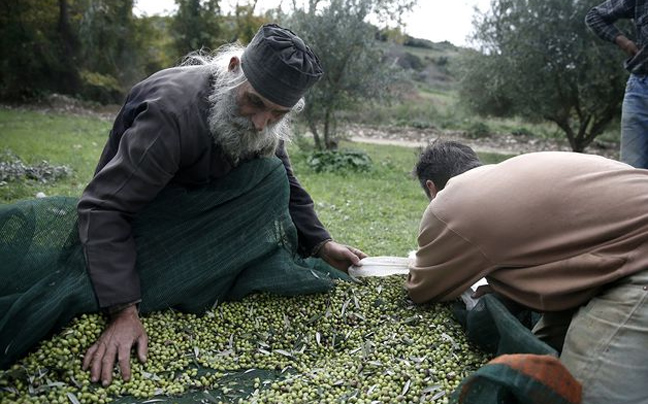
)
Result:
{"points": [[280, 66]]}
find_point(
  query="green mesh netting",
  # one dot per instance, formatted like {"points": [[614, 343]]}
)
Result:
{"points": [[505, 384], [195, 248], [247, 243], [505, 331], [500, 329]]}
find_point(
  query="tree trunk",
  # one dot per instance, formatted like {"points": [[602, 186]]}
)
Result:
{"points": [[316, 137], [591, 126], [70, 82], [329, 134], [563, 123]]}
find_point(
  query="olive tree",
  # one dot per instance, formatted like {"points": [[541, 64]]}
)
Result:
{"points": [[87, 48], [111, 49], [39, 48], [340, 33], [538, 60], [243, 22], [196, 25]]}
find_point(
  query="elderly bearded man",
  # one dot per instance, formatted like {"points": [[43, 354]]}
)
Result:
{"points": [[564, 234], [218, 120]]}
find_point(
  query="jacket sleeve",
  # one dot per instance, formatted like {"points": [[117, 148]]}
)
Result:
{"points": [[601, 19], [310, 230], [446, 264], [144, 161]]}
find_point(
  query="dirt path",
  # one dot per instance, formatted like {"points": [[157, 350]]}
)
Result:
{"points": [[496, 143], [418, 144]]}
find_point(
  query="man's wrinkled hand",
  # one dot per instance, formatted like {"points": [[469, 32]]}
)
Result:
{"points": [[124, 331], [340, 256]]}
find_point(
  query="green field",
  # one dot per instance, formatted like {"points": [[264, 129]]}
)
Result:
{"points": [[377, 211]]}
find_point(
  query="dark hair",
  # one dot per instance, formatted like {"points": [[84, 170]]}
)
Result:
{"points": [[442, 160]]}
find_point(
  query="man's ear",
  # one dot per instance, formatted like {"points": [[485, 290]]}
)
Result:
{"points": [[234, 63], [432, 189]]}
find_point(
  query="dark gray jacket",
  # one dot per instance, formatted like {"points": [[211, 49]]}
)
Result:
{"points": [[159, 138], [600, 19]]}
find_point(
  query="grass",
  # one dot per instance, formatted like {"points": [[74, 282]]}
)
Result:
{"points": [[33, 137], [377, 211]]}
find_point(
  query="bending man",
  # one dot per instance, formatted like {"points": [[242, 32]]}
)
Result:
{"points": [[557, 232]]}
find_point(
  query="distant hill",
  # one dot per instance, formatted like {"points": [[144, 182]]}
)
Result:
{"points": [[431, 62]]}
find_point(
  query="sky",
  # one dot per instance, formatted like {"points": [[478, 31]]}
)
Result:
{"points": [[436, 20]]}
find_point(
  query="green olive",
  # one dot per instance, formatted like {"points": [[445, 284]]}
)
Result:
{"points": [[357, 343]]}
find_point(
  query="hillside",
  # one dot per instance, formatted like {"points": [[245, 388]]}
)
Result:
{"points": [[431, 63]]}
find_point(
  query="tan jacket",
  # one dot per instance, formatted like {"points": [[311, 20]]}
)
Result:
{"points": [[547, 230]]}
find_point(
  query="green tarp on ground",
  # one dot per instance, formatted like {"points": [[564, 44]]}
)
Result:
{"points": [[195, 248], [525, 370], [247, 244]]}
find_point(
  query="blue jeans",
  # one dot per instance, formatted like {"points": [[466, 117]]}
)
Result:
{"points": [[606, 347], [634, 122]]}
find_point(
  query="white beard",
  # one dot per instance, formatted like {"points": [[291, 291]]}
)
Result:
{"points": [[235, 134]]}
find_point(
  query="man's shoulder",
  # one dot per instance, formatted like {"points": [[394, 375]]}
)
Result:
{"points": [[175, 83], [194, 72]]}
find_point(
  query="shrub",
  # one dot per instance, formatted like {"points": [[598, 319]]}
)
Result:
{"points": [[339, 161], [522, 131], [15, 170], [100, 87], [478, 130]]}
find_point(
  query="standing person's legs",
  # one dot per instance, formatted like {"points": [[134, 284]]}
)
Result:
{"points": [[634, 122], [606, 345]]}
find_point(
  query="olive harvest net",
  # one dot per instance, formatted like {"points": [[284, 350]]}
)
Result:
{"points": [[202, 247], [195, 248], [525, 370]]}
